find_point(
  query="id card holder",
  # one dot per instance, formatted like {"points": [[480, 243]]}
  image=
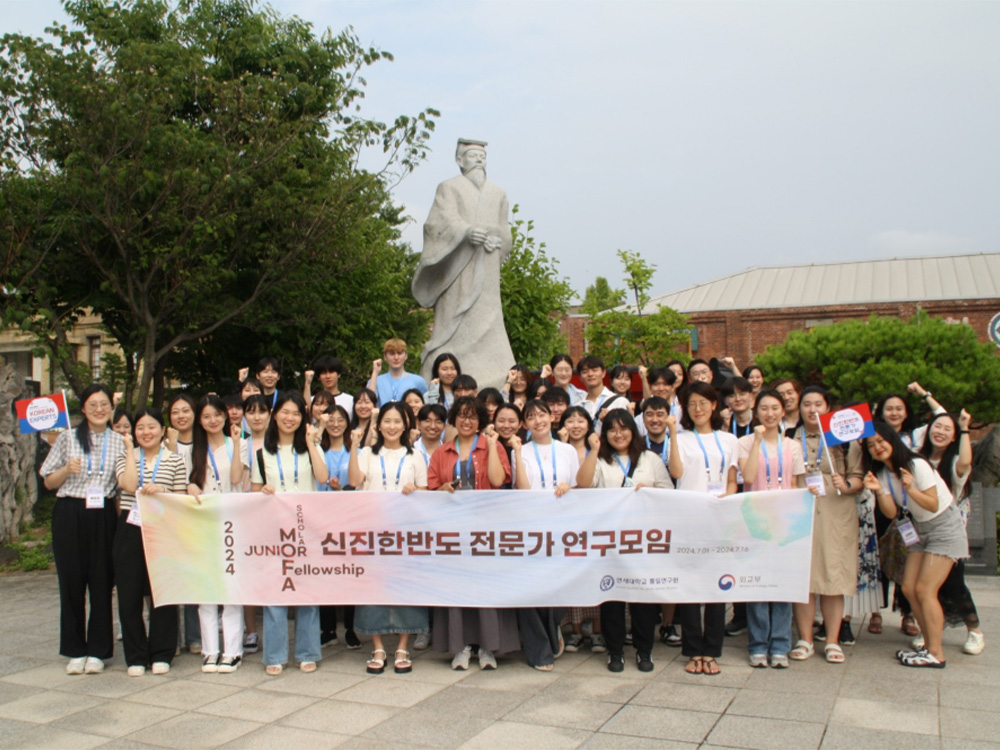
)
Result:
{"points": [[739, 476], [134, 517], [95, 498], [816, 480], [628, 482], [908, 532], [715, 488]]}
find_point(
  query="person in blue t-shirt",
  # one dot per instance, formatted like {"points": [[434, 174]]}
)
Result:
{"points": [[390, 386]]}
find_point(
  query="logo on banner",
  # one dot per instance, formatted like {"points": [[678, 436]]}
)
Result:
{"points": [[727, 582], [42, 413], [607, 583], [845, 425]]}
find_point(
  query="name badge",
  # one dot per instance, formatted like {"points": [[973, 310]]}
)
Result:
{"points": [[716, 488], [95, 498], [739, 476], [816, 480], [133, 515], [909, 534]]}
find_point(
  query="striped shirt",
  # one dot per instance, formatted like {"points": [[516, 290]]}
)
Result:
{"points": [[171, 474], [67, 447]]}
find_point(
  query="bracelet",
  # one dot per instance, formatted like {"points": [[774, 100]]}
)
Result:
{"points": [[927, 395], [963, 432]]}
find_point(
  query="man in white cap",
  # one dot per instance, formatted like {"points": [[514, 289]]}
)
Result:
{"points": [[466, 240]]}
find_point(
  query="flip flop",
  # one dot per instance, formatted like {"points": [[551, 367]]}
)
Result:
{"points": [[710, 666], [875, 624], [695, 665]]}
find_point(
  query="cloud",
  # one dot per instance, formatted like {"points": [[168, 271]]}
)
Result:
{"points": [[906, 242]]}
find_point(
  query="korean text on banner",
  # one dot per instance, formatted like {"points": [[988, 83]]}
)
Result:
{"points": [[847, 424], [506, 548]]}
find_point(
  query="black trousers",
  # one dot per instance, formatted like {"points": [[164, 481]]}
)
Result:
{"points": [[328, 618], [132, 580], [81, 546], [698, 640], [644, 619]]}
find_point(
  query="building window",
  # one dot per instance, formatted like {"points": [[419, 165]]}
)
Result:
{"points": [[94, 345]]}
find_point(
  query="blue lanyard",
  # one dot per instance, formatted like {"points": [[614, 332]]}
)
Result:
{"points": [[735, 425], [281, 473], [541, 469], [722, 453], [675, 410], [597, 409], [215, 467], [274, 399], [626, 468], [469, 465], [767, 462], [399, 472], [888, 481], [663, 448], [104, 455], [427, 458], [805, 450], [250, 451], [142, 466]]}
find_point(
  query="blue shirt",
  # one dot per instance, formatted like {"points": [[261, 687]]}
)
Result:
{"points": [[389, 388], [336, 464]]}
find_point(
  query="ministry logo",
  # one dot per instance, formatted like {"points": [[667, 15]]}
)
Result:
{"points": [[726, 582]]}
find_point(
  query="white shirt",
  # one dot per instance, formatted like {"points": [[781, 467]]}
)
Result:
{"points": [[649, 471], [296, 480], [409, 467], [924, 477], [695, 477], [567, 463]]}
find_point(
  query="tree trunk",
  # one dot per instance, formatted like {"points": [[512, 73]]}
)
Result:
{"points": [[18, 481]]}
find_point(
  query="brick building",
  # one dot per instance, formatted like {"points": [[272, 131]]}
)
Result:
{"points": [[738, 316]]}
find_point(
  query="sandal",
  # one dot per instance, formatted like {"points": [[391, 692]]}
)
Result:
{"points": [[922, 659], [307, 666], [909, 626], [710, 666], [802, 651], [375, 664], [545, 667], [273, 670], [834, 653], [875, 623], [402, 665], [695, 665]]}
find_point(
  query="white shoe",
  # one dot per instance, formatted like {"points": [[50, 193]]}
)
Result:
{"points": [[974, 644], [486, 659], [461, 660], [136, 671], [161, 667], [918, 641], [93, 665], [422, 642], [77, 665]]}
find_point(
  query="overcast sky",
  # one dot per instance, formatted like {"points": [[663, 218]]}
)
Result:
{"points": [[710, 136]]}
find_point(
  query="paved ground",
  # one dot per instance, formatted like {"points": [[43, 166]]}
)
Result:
{"points": [[871, 701]]}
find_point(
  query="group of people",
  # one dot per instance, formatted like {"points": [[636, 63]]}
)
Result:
{"points": [[887, 509]]}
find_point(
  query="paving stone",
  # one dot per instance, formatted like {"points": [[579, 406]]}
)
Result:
{"points": [[340, 717], [563, 712], [513, 734], [428, 727], [686, 696], [892, 717], [194, 730], [855, 738], [276, 737], [661, 723], [182, 694], [765, 705], [41, 708], [970, 725], [52, 737], [459, 700], [390, 692], [258, 705], [765, 734]]}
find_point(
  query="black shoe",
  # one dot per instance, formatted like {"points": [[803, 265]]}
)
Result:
{"points": [[820, 632], [628, 638], [644, 662], [616, 661], [846, 637], [736, 627], [672, 638], [328, 638], [352, 640]]}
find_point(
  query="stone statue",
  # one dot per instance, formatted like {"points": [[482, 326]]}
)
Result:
{"points": [[466, 240]]}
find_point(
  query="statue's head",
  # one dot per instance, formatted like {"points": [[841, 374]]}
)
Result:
{"points": [[470, 155]]}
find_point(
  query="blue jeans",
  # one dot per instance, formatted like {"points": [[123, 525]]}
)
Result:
{"points": [[307, 641], [769, 626]]}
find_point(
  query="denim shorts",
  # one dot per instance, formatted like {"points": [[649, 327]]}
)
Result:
{"points": [[943, 535]]}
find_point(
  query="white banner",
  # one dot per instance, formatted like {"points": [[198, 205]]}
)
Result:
{"points": [[505, 548]]}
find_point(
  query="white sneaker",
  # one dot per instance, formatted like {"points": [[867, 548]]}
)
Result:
{"points": [[422, 642], [161, 667], [77, 665], [486, 659], [93, 665], [136, 671], [918, 641], [210, 663], [975, 643], [461, 660]]}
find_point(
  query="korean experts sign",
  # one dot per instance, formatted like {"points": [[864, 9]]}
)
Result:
{"points": [[507, 548]]}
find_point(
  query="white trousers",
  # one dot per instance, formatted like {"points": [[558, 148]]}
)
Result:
{"points": [[232, 628]]}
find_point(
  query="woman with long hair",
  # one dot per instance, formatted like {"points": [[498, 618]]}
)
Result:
{"points": [[443, 373], [290, 461], [948, 448], [80, 468], [905, 485], [365, 402]]}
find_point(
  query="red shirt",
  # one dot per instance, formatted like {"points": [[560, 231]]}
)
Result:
{"points": [[442, 466]]}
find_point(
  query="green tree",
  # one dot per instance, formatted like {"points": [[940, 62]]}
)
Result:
{"points": [[192, 160], [534, 297], [861, 360], [632, 336], [599, 297]]}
